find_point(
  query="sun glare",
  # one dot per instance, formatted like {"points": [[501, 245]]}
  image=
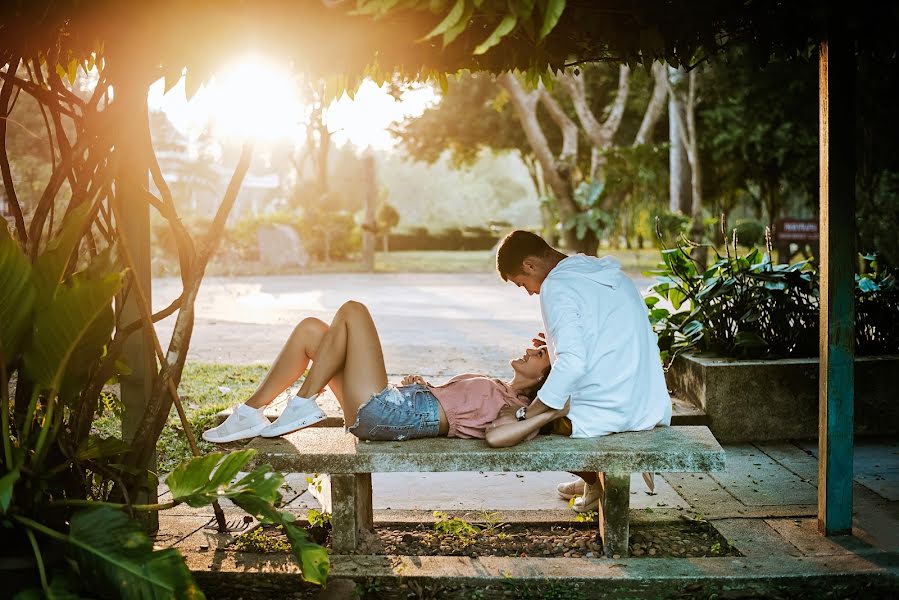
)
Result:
{"points": [[254, 100]]}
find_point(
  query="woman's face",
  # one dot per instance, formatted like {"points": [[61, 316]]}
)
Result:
{"points": [[532, 364]]}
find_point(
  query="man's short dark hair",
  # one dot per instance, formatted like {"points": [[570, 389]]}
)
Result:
{"points": [[516, 247]]}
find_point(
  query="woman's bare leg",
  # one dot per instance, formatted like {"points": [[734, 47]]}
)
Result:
{"points": [[350, 347], [300, 348]]}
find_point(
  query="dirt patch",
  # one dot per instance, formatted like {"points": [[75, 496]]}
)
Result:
{"points": [[454, 537]]}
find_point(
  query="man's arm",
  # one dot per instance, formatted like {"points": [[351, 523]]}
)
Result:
{"points": [[507, 430], [562, 318]]}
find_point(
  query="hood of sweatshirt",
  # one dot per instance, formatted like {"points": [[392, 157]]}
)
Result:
{"points": [[604, 271]]}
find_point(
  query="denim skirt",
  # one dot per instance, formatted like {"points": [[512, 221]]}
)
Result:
{"points": [[398, 413]]}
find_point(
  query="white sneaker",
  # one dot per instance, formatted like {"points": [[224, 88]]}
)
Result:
{"points": [[589, 501], [571, 489], [299, 413], [243, 422]]}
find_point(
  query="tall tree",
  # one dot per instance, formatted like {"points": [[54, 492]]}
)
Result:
{"points": [[549, 125]]}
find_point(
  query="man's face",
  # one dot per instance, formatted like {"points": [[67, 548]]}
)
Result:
{"points": [[532, 275]]}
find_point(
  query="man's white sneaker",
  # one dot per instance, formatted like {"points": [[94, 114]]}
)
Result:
{"points": [[244, 422], [299, 413], [589, 501], [571, 489]]}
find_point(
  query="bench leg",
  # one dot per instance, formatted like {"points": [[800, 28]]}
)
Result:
{"points": [[351, 519], [614, 516]]}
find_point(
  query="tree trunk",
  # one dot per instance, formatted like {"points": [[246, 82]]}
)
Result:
{"points": [[678, 163], [369, 226], [688, 135], [556, 171]]}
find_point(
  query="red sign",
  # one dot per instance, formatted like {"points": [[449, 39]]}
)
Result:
{"points": [[796, 230]]}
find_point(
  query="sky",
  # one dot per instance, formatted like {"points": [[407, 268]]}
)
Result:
{"points": [[253, 98]]}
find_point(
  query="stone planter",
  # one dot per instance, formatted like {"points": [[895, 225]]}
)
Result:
{"points": [[759, 400]]}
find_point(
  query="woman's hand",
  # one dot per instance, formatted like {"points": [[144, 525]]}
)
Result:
{"points": [[412, 379]]}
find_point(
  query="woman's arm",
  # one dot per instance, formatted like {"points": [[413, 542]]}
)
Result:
{"points": [[507, 431]]}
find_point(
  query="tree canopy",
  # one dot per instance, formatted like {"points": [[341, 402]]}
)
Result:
{"points": [[425, 38]]}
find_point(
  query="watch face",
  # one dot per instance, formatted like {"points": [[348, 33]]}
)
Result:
{"points": [[520, 414]]}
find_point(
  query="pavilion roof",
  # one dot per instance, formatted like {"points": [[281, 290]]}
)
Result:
{"points": [[352, 39]]}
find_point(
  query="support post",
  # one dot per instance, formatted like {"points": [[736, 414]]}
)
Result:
{"points": [[837, 267], [351, 517], [614, 513], [369, 227], [131, 179]]}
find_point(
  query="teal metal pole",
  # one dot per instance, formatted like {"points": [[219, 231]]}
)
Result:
{"points": [[837, 267]]}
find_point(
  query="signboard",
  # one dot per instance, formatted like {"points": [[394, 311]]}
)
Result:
{"points": [[796, 230]]}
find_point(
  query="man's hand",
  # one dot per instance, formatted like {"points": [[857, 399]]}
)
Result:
{"points": [[506, 416], [411, 379], [540, 340]]}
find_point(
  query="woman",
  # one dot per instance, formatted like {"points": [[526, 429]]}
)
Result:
{"points": [[347, 357]]}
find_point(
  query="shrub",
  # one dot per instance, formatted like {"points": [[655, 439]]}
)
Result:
{"points": [[747, 306], [670, 226], [750, 233]]}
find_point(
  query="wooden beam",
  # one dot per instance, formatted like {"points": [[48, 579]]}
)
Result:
{"points": [[837, 267], [131, 181]]}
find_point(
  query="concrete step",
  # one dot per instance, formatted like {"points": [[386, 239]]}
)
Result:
{"points": [[684, 412]]}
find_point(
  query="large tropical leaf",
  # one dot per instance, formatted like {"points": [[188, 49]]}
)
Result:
{"points": [[201, 480], [7, 485], [116, 559], [50, 266], [17, 295], [313, 559], [61, 325], [95, 338]]}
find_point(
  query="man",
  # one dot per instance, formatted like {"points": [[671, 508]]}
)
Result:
{"points": [[605, 357]]}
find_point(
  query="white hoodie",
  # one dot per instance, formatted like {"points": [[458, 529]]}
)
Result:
{"points": [[604, 353]]}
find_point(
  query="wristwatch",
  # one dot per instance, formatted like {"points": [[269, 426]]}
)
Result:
{"points": [[521, 413]]}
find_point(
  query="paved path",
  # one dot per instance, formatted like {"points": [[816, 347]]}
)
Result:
{"points": [[433, 324]]}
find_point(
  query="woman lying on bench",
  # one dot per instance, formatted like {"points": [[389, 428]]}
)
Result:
{"points": [[346, 356]]}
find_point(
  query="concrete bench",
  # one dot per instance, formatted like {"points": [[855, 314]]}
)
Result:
{"points": [[350, 462]]}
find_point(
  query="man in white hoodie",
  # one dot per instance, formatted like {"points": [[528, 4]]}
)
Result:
{"points": [[605, 356]]}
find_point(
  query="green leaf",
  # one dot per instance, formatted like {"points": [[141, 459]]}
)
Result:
{"points": [[72, 70], [96, 446], [7, 484], [51, 265], [692, 328], [867, 285], [60, 327], [749, 340], [202, 480], [676, 297], [651, 301], [89, 347], [505, 26], [171, 77], [453, 17], [116, 559], [551, 14], [17, 296], [313, 558], [453, 32]]}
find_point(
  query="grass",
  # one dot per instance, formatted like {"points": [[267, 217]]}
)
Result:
{"points": [[411, 261], [205, 390]]}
